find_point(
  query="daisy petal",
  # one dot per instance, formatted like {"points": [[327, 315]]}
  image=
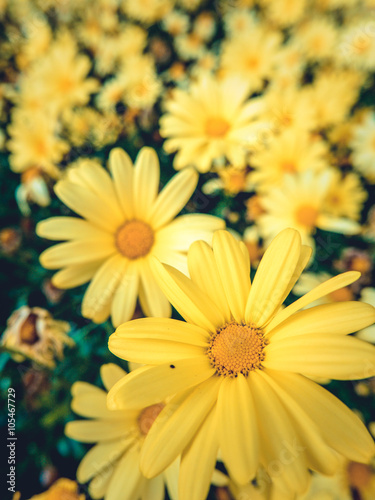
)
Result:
{"points": [[233, 272], [163, 329], [320, 456], [125, 297], [68, 228], [85, 203], [319, 355], [153, 351], [145, 182], [340, 428], [184, 230], [101, 289], [92, 431], [127, 478], [171, 474], [151, 384], [181, 418], [121, 168], [321, 290], [99, 456], [152, 299], [99, 182], [191, 302], [277, 434], [198, 460], [154, 489], [174, 197], [110, 374], [274, 273], [302, 262], [77, 275], [204, 272], [238, 429], [338, 318], [76, 252]]}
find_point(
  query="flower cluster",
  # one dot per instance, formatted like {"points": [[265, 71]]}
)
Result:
{"points": [[206, 172]]}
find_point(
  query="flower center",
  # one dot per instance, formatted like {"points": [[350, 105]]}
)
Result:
{"points": [[288, 167], [28, 333], [148, 416], [306, 215], [216, 127], [134, 239], [237, 349]]}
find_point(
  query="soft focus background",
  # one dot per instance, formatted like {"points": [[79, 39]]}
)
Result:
{"points": [[80, 77]]}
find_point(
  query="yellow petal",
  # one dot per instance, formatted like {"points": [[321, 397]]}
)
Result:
{"points": [[153, 351], [94, 405], [277, 436], [68, 228], [191, 302], [121, 168], [173, 197], [338, 318], [181, 418], [100, 456], [76, 275], [321, 290], [171, 474], [184, 230], [76, 252], [99, 182], [145, 183], [92, 431], [127, 478], [110, 374], [99, 484], [85, 203], [238, 429], [234, 272], [204, 272], [319, 355], [152, 299], [163, 329], [320, 456], [153, 489], [302, 262], [151, 384], [101, 289], [198, 461], [341, 428], [125, 297], [274, 273]]}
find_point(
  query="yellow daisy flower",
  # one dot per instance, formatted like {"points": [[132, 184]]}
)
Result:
{"points": [[345, 196], [239, 367], [211, 120], [290, 152], [125, 224], [112, 465], [300, 202]]}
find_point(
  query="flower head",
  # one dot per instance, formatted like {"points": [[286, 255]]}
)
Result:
{"points": [[240, 367], [33, 332], [125, 224], [112, 465], [211, 120]]}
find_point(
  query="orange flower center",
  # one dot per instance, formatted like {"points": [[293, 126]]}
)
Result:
{"points": [[237, 349], [134, 239], [306, 215], [28, 333], [288, 167], [216, 127], [359, 475], [148, 416]]}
